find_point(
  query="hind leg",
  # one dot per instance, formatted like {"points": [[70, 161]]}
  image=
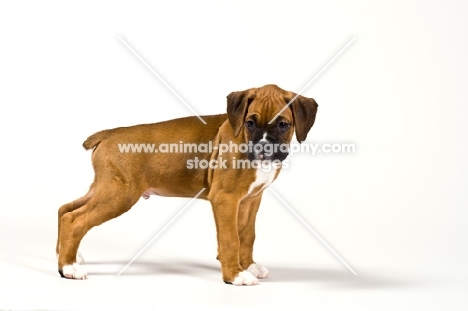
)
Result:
{"points": [[70, 207], [108, 202]]}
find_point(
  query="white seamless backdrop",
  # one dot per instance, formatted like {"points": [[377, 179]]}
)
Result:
{"points": [[395, 210]]}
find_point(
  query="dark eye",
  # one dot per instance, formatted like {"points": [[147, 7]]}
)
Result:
{"points": [[283, 125], [250, 124]]}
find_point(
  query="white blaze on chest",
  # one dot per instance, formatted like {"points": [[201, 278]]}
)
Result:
{"points": [[263, 177]]}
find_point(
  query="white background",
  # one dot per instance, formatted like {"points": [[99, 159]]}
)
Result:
{"points": [[395, 210]]}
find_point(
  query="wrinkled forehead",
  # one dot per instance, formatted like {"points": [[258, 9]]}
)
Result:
{"points": [[266, 107]]}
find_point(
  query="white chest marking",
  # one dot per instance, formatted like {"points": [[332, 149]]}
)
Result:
{"points": [[264, 176]]}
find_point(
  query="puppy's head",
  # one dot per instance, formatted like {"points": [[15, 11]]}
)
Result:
{"points": [[250, 112]]}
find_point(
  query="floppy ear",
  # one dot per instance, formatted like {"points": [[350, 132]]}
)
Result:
{"points": [[304, 110], [237, 104]]}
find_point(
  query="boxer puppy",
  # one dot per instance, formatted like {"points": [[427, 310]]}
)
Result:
{"points": [[234, 181]]}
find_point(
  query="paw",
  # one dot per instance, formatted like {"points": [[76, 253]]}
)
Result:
{"points": [[245, 278], [74, 271], [258, 270]]}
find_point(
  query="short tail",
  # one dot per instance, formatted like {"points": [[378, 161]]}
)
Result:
{"points": [[94, 140]]}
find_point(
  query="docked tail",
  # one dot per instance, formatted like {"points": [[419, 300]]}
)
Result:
{"points": [[95, 139]]}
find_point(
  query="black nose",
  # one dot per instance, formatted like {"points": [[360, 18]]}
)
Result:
{"points": [[263, 148], [260, 146]]}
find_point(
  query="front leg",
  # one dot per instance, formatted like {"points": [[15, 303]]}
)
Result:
{"points": [[246, 227], [225, 210]]}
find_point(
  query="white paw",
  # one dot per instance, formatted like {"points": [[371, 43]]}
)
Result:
{"points": [[74, 271], [79, 258], [245, 278], [258, 270]]}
